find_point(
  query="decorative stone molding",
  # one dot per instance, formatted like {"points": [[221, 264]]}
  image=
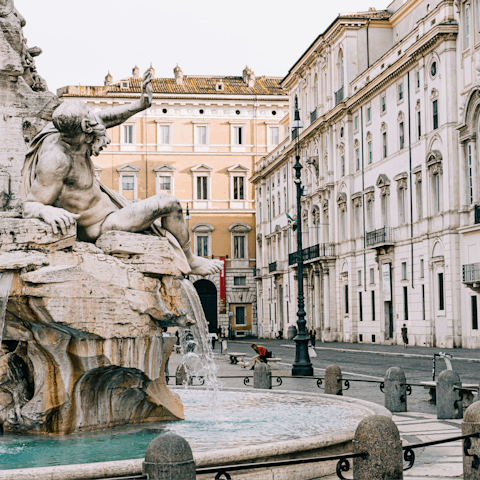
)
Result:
{"points": [[436, 169], [370, 197], [434, 94], [325, 205], [401, 116], [356, 144], [239, 227], [401, 180], [384, 184], [341, 198], [369, 136], [383, 128], [418, 105], [259, 239], [203, 227], [357, 201]]}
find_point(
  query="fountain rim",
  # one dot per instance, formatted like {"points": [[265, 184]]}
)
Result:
{"points": [[244, 454]]}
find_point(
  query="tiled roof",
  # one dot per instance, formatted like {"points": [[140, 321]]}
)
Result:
{"points": [[204, 85]]}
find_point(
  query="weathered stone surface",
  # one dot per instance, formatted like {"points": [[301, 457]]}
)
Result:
{"points": [[395, 390], [169, 457], [471, 424], [379, 437], [262, 376], [449, 400], [33, 234], [333, 380], [22, 259]]}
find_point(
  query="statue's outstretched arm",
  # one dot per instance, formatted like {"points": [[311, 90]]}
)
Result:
{"points": [[112, 117]]}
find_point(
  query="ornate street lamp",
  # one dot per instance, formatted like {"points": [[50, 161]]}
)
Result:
{"points": [[302, 366]]}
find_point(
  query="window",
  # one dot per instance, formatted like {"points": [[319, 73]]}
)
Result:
{"points": [[201, 135], [436, 192], [164, 134], [373, 305], [202, 189], [418, 78], [343, 165], [385, 210], [238, 188], [356, 123], [419, 199], [373, 338], [127, 133], [238, 136], [273, 137], [435, 114], [370, 216], [401, 207], [239, 246], [402, 135], [357, 158], [419, 124], [470, 174], [422, 268], [423, 302], [359, 274], [441, 293], [240, 316], [404, 270], [239, 281], [165, 183], [370, 157], [343, 218], [467, 26], [128, 183], [360, 305], [384, 103], [400, 92], [405, 302], [474, 313], [346, 299], [384, 140], [372, 276], [202, 245], [369, 114], [433, 69]]}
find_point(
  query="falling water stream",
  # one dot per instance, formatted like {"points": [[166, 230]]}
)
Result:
{"points": [[6, 280]]}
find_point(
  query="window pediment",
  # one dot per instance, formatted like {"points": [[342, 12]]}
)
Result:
{"points": [[202, 228], [238, 169], [342, 197], [164, 168], [239, 227], [382, 181], [201, 168], [433, 157], [128, 167]]}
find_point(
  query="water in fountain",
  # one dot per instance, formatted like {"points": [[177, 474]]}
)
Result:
{"points": [[197, 351], [6, 280]]}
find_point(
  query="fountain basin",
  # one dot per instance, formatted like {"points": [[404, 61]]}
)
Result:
{"points": [[254, 426]]}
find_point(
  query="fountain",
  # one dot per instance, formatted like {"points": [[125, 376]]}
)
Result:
{"points": [[82, 351]]}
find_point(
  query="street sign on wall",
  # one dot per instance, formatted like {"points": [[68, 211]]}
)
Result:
{"points": [[222, 306], [387, 290]]}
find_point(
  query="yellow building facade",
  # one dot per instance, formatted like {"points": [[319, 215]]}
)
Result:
{"points": [[199, 141]]}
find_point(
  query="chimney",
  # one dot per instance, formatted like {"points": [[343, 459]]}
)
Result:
{"points": [[248, 77], [177, 71], [136, 72], [108, 79], [152, 71]]}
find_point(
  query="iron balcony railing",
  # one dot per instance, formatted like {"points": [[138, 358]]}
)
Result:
{"points": [[313, 116], [471, 273], [477, 214], [382, 235], [272, 267], [338, 96], [315, 251]]}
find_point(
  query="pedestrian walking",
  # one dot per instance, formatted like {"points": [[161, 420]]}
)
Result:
{"points": [[313, 337], [405, 336]]}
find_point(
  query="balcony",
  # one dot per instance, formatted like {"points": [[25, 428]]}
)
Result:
{"points": [[477, 214], [383, 237], [471, 273], [338, 96], [313, 116], [322, 250]]}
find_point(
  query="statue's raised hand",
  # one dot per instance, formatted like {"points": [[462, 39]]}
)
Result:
{"points": [[147, 92]]}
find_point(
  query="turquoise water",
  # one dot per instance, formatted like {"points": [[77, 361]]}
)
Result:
{"points": [[241, 418]]}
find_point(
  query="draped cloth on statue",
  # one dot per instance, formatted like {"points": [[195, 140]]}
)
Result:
{"points": [[28, 177]]}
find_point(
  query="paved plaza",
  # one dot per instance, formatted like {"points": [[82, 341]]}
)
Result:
{"points": [[361, 361]]}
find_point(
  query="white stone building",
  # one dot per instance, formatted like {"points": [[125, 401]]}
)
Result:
{"points": [[378, 97]]}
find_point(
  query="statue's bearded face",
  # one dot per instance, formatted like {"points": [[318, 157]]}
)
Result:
{"points": [[97, 136]]}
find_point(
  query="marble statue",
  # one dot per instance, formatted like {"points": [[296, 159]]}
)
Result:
{"points": [[59, 184]]}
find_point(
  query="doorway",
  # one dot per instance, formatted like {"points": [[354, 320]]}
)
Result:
{"points": [[207, 291]]}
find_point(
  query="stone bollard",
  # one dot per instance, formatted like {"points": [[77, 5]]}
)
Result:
{"points": [[395, 390], [262, 376], [183, 375], [169, 457], [291, 332], [471, 447], [379, 437], [333, 380], [449, 400]]}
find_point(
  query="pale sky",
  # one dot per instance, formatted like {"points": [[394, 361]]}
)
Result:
{"points": [[82, 40]]}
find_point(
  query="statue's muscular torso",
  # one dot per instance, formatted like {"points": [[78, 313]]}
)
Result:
{"points": [[79, 192]]}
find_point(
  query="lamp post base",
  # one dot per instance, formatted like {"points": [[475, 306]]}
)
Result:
{"points": [[302, 366]]}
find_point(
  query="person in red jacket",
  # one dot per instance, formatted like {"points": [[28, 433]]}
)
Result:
{"points": [[262, 355]]}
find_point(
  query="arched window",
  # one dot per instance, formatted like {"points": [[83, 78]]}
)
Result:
{"points": [[315, 92], [340, 70]]}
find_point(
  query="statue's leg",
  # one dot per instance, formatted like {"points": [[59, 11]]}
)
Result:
{"points": [[138, 216]]}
